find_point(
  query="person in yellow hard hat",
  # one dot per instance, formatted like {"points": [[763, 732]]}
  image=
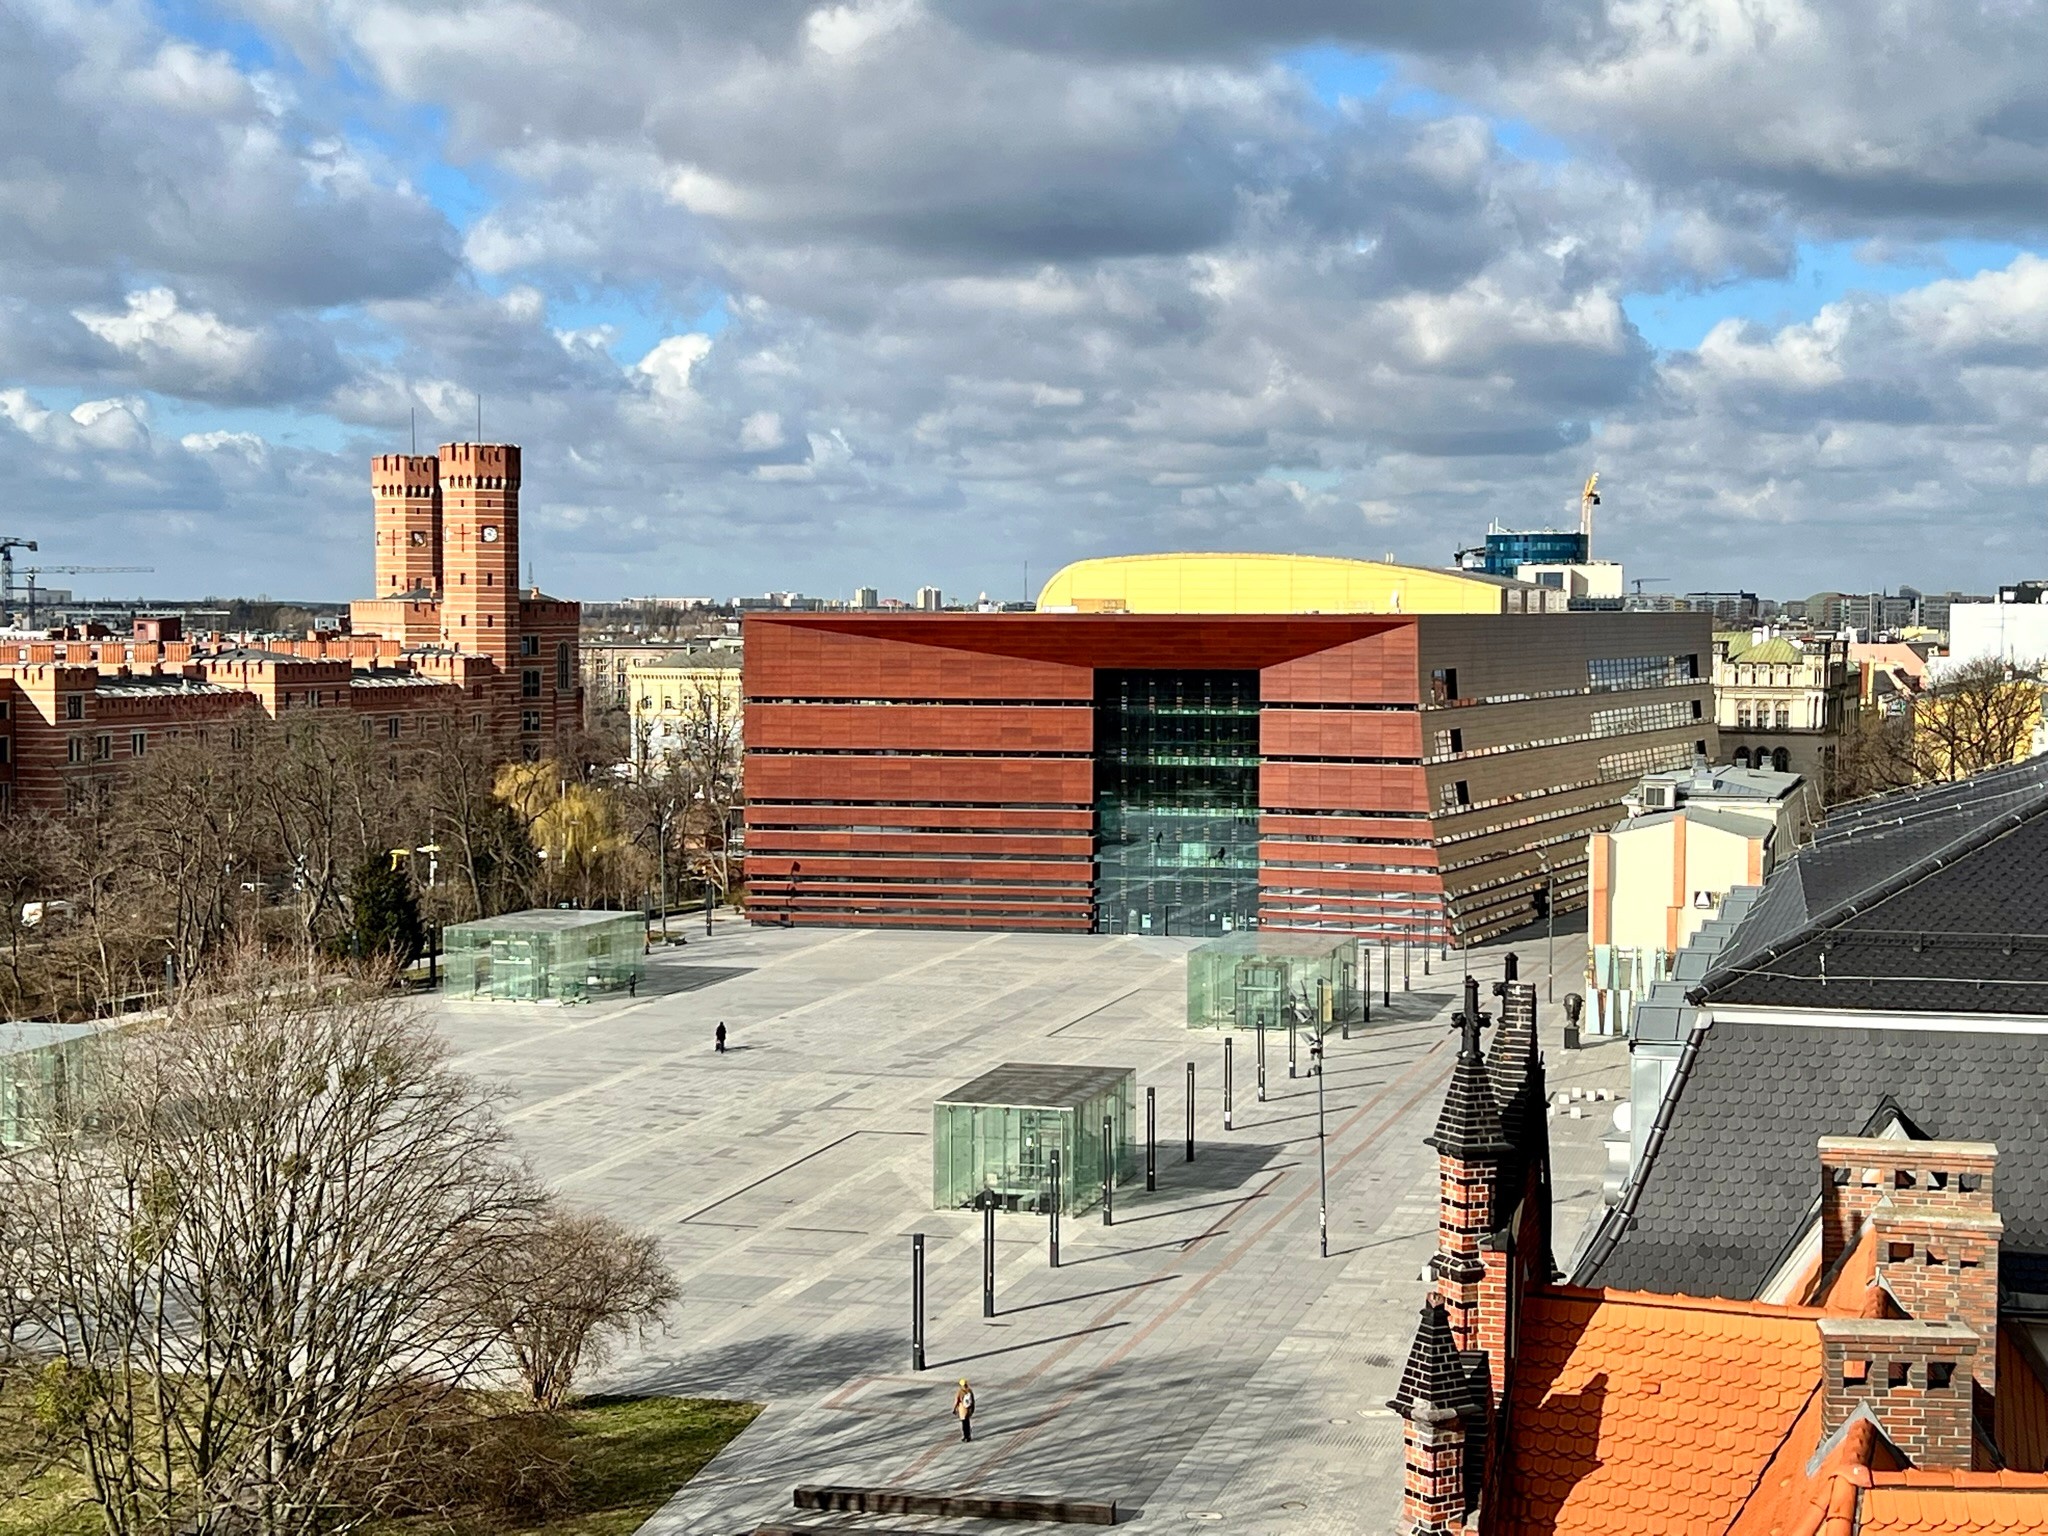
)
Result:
{"points": [[963, 1409]]}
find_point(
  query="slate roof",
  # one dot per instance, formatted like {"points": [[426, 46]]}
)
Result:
{"points": [[1928, 901], [1730, 1189]]}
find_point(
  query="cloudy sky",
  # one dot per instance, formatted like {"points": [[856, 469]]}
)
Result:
{"points": [[780, 293]]}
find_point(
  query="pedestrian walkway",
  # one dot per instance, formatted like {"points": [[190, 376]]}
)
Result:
{"points": [[1196, 1361]]}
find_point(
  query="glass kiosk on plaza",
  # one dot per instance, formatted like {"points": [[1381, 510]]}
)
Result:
{"points": [[1274, 978], [545, 954], [993, 1135]]}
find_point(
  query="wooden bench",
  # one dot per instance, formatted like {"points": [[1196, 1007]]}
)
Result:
{"points": [[851, 1499]]}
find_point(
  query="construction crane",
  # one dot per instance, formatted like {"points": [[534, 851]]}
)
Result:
{"points": [[66, 570], [1653, 581], [1589, 498], [8, 545]]}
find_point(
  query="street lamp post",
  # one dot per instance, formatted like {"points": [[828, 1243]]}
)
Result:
{"points": [[1315, 1055]]}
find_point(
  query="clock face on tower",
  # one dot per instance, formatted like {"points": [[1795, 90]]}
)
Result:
{"points": [[488, 533]]}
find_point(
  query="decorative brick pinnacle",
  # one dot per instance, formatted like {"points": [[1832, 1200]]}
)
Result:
{"points": [[1435, 1386]]}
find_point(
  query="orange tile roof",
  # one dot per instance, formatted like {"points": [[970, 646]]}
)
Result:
{"points": [[1635, 1412], [1852, 1290], [1937, 1503]]}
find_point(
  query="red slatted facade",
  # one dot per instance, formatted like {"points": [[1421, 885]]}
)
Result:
{"points": [[936, 770]]}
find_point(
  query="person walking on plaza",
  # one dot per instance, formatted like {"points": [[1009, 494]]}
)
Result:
{"points": [[963, 1409], [720, 1037]]}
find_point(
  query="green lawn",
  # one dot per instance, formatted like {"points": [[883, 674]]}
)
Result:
{"points": [[632, 1453], [629, 1454]]}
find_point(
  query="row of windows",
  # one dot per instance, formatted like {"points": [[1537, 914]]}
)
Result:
{"points": [[1633, 719], [1759, 717], [1457, 795], [1634, 764], [1611, 674], [1771, 757], [1363, 866], [1626, 674]]}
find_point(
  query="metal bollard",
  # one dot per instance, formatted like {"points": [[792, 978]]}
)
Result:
{"points": [[917, 1301], [1053, 1164], [1226, 1083], [1151, 1139]]}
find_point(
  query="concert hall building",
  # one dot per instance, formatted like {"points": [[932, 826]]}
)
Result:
{"points": [[1200, 744]]}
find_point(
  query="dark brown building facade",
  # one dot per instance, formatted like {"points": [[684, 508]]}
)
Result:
{"points": [[1425, 776]]}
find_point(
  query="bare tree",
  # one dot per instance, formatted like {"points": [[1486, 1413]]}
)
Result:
{"points": [[1979, 715], [571, 1287], [1875, 754], [262, 1246]]}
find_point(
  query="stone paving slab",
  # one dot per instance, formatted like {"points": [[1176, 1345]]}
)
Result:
{"points": [[1198, 1361]]}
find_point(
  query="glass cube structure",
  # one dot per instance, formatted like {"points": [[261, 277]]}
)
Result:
{"points": [[543, 955], [1246, 979], [992, 1138], [43, 1072]]}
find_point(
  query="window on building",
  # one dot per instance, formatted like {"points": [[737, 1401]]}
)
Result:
{"points": [[5, 709], [1781, 760], [74, 706], [529, 720], [1443, 685], [391, 727], [1743, 716], [138, 744], [103, 749], [1742, 757], [1457, 741], [6, 749], [529, 645], [1696, 709], [529, 683], [1784, 716], [561, 666], [1610, 674]]}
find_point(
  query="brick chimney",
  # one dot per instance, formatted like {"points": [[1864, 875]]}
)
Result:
{"points": [[1914, 1376], [1442, 1425], [1470, 1145], [1933, 1221]]}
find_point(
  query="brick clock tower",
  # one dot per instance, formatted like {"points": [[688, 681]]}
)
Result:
{"points": [[447, 531], [408, 496], [480, 549]]}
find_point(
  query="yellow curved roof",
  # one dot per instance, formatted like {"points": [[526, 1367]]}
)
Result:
{"points": [[1253, 583]]}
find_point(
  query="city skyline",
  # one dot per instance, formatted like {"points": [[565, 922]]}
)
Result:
{"points": [[766, 300]]}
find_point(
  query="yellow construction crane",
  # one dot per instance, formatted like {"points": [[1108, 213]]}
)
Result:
{"points": [[1589, 498]]}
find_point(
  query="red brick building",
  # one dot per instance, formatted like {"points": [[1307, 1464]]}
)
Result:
{"points": [[1425, 775], [449, 632]]}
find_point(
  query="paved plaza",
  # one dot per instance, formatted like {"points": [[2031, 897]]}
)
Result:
{"points": [[1197, 1362]]}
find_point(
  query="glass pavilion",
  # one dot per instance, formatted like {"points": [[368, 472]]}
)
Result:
{"points": [[544, 955], [1274, 978], [993, 1136]]}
